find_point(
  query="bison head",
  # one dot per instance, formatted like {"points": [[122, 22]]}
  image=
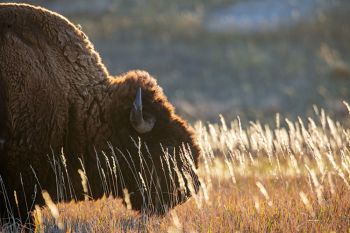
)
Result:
{"points": [[156, 149]]}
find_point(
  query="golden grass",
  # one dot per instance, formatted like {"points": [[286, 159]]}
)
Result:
{"points": [[261, 178], [230, 208]]}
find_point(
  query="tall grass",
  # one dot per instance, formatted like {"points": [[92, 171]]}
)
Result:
{"points": [[291, 176]]}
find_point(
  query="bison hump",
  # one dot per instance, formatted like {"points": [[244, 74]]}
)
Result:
{"points": [[52, 38]]}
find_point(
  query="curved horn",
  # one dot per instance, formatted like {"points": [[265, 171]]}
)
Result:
{"points": [[140, 124]]}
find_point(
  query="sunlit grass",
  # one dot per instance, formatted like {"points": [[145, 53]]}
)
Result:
{"points": [[287, 177]]}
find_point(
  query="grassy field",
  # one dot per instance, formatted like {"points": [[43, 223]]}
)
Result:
{"points": [[287, 177]]}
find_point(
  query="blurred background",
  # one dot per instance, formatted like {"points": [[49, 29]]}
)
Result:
{"points": [[251, 58]]}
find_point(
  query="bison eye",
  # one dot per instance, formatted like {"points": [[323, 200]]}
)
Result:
{"points": [[140, 123]]}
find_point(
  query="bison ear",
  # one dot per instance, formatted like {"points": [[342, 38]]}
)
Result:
{"points": [[137, 120]]}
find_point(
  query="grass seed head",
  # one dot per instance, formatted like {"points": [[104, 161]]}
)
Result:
{"points": [[53, 209]]}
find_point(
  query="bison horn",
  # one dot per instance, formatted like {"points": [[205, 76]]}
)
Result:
{"points": [[137, 119]]}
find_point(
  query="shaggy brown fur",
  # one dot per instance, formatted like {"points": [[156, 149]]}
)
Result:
{"points": [[55, 93]]}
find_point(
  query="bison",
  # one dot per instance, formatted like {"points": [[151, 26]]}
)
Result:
{"points": [[61, 111]]}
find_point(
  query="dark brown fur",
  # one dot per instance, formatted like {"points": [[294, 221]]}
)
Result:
{"points": [[55, 93]]}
